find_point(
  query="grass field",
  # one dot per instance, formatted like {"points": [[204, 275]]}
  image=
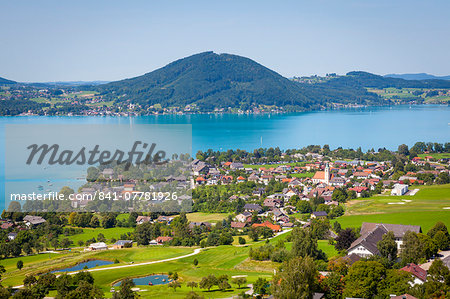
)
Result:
{"points": [[206, 217], [424, 209], [436, 155], [303, 175], [89, 233]]}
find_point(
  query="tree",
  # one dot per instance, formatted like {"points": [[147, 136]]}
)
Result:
{"points": [[174, 285], [14, 206], [193, 295], [241, 241], [208, 282], [72, 216], [19, 264], [298, 279], [395, 282], [29, 280], [438, 280], [109, 220], [192, 285], [94, 222], [333, 285], [239, 281], [55, 243], [344, 239], [223, 284], [126, 291], [388, 247], [441, 240], [411, 248], [66, 242], [261, 286], [403, 150], [304, 244], [363, 278], [438, 227], [195, 262]]}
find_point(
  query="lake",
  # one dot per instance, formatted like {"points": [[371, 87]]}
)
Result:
{"points": [[85, 265], [370, 127]]}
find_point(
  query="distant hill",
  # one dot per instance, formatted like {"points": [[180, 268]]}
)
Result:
{"points": [[419, 76], [6, 81], [213, 80], [375, 81]]}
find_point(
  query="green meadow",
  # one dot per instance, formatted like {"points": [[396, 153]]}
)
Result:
{"points": [[429, 205], [89, 233]]}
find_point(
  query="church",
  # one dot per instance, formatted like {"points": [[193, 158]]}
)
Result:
{"points": [[322, 176]]}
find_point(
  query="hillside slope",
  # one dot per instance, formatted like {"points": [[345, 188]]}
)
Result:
{"points": [[6, 81]]}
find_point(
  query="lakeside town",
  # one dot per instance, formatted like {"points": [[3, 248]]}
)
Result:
{"points": [[272, 208]]}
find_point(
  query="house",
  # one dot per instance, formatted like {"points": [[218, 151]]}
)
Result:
{"points": [[238, 225], [273, 227], [205, 225], [419, 274], [250, 207], [237, 166], [240, 179], [399, 230], [33, 220], [123, 244], [162, 219], [366, 245], [319, 214], [12, 236], [6, 225], [143, 219], [162, 240], [399, 189], [243, 216], [98, 246]]}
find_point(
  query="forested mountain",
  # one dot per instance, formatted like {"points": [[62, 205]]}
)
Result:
{"points": [[419, 76], [6, 81], [375, 81], [213, 80]]}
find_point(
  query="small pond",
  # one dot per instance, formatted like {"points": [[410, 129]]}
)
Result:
{"points": [[88, 264], [155, 279]]}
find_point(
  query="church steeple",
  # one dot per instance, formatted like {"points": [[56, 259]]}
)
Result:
{"points": [[327, 174]]}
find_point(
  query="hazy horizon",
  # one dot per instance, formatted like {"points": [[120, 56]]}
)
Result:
{"points": [[49, 40]]}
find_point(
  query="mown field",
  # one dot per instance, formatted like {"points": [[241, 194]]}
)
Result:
{"points": [[229, 260], [206, 217], [89, 233], [425, 208]]}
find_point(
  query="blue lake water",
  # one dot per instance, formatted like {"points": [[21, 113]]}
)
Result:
{"points": [[81, 266], [154, 279], [371, 127]]}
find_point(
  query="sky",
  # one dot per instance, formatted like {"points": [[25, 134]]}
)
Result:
{"points": [[45, 40]]}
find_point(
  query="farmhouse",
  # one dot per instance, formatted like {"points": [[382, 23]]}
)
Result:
{"points": [[250, 207], [399, 230], [366, 245], [319, 214], [98, 246], [33, 220], [143, 219], [123, 244], [162, 240]]}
